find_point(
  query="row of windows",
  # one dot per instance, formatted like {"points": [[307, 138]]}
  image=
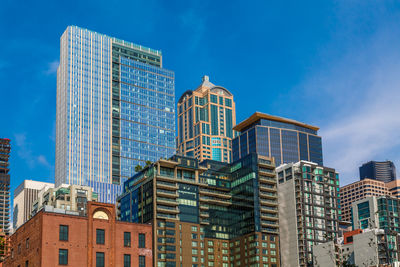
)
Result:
{"points": [[100, 259], [100, 237]]}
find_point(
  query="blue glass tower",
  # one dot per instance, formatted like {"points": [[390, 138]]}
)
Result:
{"points": [[284, 139], [115, 110]]}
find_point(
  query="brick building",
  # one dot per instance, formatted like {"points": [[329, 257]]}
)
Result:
{"points": [[55, 238]]}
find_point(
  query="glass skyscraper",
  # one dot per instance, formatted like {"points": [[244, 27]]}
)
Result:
{"points": [[384, 171], [207, 213], [284, 139], [115, 110]]}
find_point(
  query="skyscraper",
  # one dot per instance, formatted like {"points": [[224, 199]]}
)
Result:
{"points": [[284, 139], [207, 214], [384, 171], [24, 196], [115, 110], [205, 120], [5, 149], [308, 210]]}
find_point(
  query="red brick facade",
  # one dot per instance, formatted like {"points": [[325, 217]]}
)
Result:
{"points": [[38, 240]]}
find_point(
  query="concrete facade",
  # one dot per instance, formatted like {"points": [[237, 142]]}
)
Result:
{"points": [[308, 210], [24, 196], [37, 242], [72, 198]]}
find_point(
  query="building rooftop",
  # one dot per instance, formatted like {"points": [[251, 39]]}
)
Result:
{"points": [[258, 115], [126, 43]]}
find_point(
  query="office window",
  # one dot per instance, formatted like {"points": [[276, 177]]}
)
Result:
{"points": [[63, 256], [127, 260], [63, 232], [142, 261], [127, 239], [100, 236], [99, 259], [142, 240]]}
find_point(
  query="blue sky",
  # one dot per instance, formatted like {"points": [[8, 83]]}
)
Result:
{"points": [[334, 64]]}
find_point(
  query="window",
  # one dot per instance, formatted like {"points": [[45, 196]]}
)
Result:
{"points": [[26, 263], [63, 256], [142, 241], [127, 239], [99, 259], [100, 236], [127, 260], [27, 243], [63, 232], [19, 248], [142, 261]]}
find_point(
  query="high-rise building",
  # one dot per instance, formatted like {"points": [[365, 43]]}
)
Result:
{"points": [[209, 213], [205, 120], [5, 149], [384, 171], [359, 190], [115, 110], [284, 139], [309, 210], [24, 196], [381, 212], [55, 238]]}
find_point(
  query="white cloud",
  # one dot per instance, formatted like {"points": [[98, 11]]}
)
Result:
{"points": [[25, 152], [364, 90], [52, 67], [42, 160]]}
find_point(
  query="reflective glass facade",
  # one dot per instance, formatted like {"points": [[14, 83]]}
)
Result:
{"points": [[200, 208], [115, 106], [285, 141]]}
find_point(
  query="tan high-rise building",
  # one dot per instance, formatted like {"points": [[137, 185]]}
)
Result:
{"points": [[206, 117], [394, 188], [359, 190]]}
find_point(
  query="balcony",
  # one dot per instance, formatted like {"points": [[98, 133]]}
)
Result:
{"points": [[269, 209], [268, 180], [166, 216], [165, 185], [204, 221], [273, 217], [204, 207], [267, 172], [269, 195], [265, 163], [165, 178], [267, 188], [215, 200], [166, 193], [166, 209], [268, 202], [166, 201], [215, 193], [204, 215]]}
